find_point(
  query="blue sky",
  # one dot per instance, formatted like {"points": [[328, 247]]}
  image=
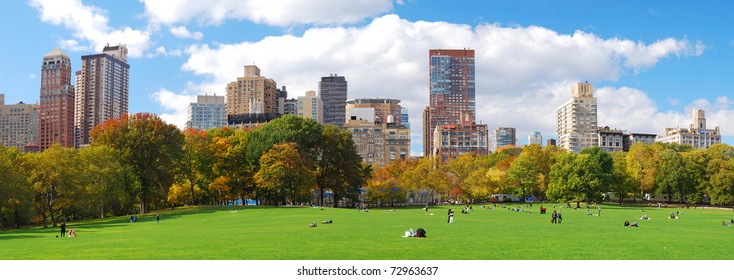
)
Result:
{"points": [[651, 62]]}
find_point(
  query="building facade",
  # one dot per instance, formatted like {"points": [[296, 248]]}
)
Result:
{"points": [[290, 106], [451, 141], [252, 94], [375, 109], [535, 138], [451, 91], [19, 124], [333, 93], [102, 91], [405, 117], [311, 106], [57, 101], [577, 120], [502, 136], [378, 142], [633, 138], [209, 111], [697, 135], [611, 140]]}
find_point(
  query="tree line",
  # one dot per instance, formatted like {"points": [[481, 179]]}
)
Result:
{"points": [[682, 174], [139, 163]]}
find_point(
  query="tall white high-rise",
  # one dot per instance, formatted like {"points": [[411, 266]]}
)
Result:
{"points": [[207, 112], [577, 120]]}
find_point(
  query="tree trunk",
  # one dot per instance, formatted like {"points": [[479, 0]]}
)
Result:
{"points": [[17, 218], [193, 195], [2, 226]]}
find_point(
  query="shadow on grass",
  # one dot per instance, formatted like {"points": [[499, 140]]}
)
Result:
{"points": [[17, 236]]}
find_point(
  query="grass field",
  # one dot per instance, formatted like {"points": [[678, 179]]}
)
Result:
{"points": [[268, 233]]}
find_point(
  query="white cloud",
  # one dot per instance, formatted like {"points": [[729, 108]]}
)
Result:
{"points": [[523, 73], [183, 32], [175, 106], [91, 24], [73, 45], [161, 51], [276, 12], [32, 76]]}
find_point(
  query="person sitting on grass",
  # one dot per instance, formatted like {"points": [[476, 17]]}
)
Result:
{"points": [[644, 217], [634, 224], [421, 233], [626, 223], [724, 223], [312, 224]]}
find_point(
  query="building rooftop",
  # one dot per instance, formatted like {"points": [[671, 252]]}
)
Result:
{"points": [[56, 52]]}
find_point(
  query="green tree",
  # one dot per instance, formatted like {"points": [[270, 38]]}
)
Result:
{"points": [[721, 187], [581, 177], [696, 162], [103, 178], [149, 146], [528, 171], [13, 185], [55, 182], [339, 166], [621, 183], [671, 175]]}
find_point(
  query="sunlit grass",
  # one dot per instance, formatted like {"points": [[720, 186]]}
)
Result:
{"points": [[267, 233]]}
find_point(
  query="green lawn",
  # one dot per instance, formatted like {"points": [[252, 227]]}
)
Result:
{"points": [[268, 233]]}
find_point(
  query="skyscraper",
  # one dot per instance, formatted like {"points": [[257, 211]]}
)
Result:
{"points": [[502, 136], [535, 138], [452, 91], [333, 92], [57, 101], [252, 94], [577, 122], [311, 106], [207, 112], [102, 90]]}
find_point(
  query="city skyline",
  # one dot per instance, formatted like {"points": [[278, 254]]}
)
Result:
{"points": [[649, 71]]}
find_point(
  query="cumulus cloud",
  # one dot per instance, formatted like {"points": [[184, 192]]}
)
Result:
{"points": [[90, 23], [183, 32], [73, 45], [275, 13], [522, 73], [161, 51], [175, 106]]}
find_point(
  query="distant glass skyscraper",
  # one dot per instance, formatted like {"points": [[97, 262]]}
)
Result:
{"points": [[209, 111], [57, 101], [102, 90], [333, 93], [535, 138], [452, 91], [502, 136]]}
